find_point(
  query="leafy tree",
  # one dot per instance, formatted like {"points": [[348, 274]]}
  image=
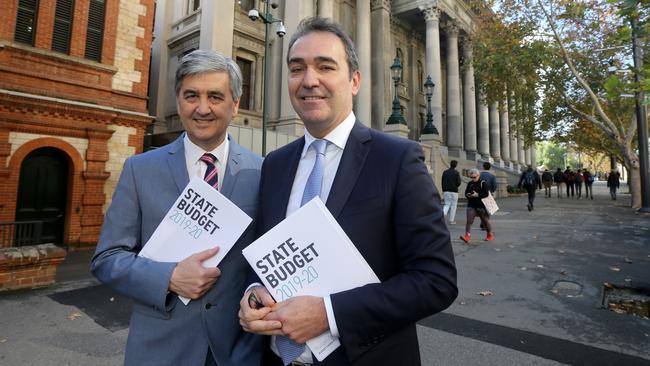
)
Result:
{"points": [[558, 54]]}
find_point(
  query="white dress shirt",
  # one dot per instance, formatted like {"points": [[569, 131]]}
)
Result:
{"points": [[194, 164], [337, 139]]}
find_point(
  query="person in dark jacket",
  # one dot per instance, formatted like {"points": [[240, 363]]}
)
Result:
{"points": [[450, 184], [475, 191], [613, 182], [577, 182], [530, 181], [558, 177], [547, 179], [569, 177], [589, 181]]}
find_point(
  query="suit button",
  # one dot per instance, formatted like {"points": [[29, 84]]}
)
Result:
{"points": [[208, 306]]}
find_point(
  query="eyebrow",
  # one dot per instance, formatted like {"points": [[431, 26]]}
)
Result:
{"points": [[318, 59]]}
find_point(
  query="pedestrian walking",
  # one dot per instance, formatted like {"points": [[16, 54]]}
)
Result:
{"points": [[475, 191], [547, 180], [589, 181], [569, 181], [530, 181], [558, 177], [491, 181], [613, 183], [577, 182], [450, 183]]}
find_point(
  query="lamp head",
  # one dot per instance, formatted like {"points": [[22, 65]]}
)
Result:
{"points": [[280, 30], [396, 69], [429, 86], [253, 14]]}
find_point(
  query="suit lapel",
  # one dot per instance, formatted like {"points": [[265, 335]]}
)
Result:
{"points": [[233, 167], [280, 193], [177, 164], [354, 156]]}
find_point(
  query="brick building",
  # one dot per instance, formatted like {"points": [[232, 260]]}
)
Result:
{"points": [[73, 107]]}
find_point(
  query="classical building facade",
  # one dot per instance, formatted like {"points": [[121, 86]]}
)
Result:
{"points": [[73, 106], [431, 38]]}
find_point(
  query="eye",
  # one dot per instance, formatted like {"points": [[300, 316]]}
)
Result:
{"points": [[190, 97], [215, 98], [295, 69]]}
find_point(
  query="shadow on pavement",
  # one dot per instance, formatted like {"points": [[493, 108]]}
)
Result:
{"points": [[105, 306]]}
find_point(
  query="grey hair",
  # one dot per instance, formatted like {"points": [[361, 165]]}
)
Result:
{"points": [[320, 24], [203, 61], [474, 171]]}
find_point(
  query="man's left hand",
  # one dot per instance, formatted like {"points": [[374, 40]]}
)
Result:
{"points": [[302, 317]]}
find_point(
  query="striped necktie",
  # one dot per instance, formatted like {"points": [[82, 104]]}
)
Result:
{"points": [[211, 176], [288, 349]]}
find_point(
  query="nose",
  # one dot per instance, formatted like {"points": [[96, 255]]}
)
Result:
{"points": [[310, 78], [203, 106]]}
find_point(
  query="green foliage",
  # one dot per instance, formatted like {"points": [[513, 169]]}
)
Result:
{"points": [[551, 155]]}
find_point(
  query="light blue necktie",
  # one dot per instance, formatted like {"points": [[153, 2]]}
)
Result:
{"points": [[288, 349]]}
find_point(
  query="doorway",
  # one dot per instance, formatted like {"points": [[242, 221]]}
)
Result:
{"points": [[43, 192]]}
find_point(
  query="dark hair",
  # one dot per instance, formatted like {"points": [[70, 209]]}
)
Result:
{"points": [[320, 24], [453, 163], [487, 165]]}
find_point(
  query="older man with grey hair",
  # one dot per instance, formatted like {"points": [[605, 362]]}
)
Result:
{"points": [[164, 331]]}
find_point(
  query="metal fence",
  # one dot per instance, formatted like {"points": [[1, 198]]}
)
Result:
{"points": [[20, 233]]}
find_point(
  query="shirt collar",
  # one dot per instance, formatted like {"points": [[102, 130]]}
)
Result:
{"points": [[338, 136], [194, 152]]}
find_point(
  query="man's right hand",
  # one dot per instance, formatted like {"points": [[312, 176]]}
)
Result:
{"points": [[190, 279], [251, 317]]}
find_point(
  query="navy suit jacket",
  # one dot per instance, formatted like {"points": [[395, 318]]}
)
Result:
{"points": [[385, 200], [164, 331]]}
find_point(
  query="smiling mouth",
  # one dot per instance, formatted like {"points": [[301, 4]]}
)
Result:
{"points": [[312, 98]]}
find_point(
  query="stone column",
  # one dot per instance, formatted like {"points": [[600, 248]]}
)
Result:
{"points": [[483, 129], [454, 141], [533, 155], [527, 156], [326, 9], [363, 102], [495, 130], [289, 122], [512, 106], [504, 124], [382, 57], [520, 131], [432, 60], [212, 36], [469, 101]]}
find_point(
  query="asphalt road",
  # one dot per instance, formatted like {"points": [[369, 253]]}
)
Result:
{"points": [[543, 274]]}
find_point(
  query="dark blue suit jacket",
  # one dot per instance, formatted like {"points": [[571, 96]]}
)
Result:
{"points": [[385, 200]]}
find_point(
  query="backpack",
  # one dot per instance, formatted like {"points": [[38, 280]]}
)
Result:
{"points": [[529, 179], [591, 178]]}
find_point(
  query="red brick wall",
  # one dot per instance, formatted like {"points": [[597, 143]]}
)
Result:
{"points": [[42, 72]]}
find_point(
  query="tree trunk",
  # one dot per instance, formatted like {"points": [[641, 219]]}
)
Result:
{"points": [[633, 176]]}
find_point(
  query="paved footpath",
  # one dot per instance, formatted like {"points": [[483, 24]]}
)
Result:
{"points": [[545, 272]]}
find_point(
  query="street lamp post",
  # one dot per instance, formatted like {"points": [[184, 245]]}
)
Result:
{"points": [[396, 117], [268, 19], [642, 125], [429, 127]]}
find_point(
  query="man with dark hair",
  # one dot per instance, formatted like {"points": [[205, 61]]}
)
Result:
{"points": [[450, 183], [547, 180], [530, 181], [162, 330], [488, 177], [379, 191]]}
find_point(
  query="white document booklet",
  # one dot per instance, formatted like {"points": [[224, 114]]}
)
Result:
{"points": [[309, 254], [200, 219]]}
